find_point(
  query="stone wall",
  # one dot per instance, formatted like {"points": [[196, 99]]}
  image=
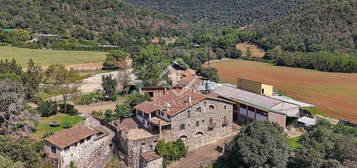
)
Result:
{"points": [[153, 164], [86, 154], [207, 121], [277, 118], [133, 148]]}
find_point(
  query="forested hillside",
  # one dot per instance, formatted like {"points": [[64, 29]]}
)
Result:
{"points": [[324, 25], [106, 21], [223, 12], [322, 36]]}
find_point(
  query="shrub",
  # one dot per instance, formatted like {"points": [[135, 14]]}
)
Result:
{"points": [[47, 134], [88, 99], [98, 114], [70, 109], [171, 151], [67, 125], [47, 108]]}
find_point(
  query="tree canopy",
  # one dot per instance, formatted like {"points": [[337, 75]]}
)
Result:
{"points": [[150, 65], [259, 144]]}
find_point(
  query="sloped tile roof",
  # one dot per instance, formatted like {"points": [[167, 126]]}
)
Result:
{"points": [[70, 136], [149, 156], [178, 100], [147, 107]]}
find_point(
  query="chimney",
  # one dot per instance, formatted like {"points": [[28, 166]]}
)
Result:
{"points": [[189, 98], [168, 105]]}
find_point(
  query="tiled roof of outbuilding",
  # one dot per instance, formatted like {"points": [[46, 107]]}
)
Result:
{"points": [[70, 136], [149, 156], [147, 107]]}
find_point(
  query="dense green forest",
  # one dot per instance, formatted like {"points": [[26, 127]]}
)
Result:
{"points": [[322, 36], [223, 12], [104, 21], [323, 25]]}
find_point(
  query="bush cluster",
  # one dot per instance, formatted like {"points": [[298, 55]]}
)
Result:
{"points": [[88, 99], [171, 151]]}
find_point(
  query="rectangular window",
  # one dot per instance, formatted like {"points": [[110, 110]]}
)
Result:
{"points": [[197, 123], [188, 114], [53, 149], [211, 121], [182, 127]]}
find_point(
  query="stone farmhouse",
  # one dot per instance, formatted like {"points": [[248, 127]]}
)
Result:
{"points": [[86, 146], [198, 116], [189, 115]]}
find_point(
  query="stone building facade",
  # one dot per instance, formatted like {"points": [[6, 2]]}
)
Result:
{"points": [[83, 145], [133, 141], [150, 160], [193, 117], [202, 123]]}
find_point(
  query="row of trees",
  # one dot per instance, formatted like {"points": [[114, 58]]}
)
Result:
{"points": [[323, 61], [264, 144]]}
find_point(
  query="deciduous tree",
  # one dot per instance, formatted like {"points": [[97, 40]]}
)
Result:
{"points": [[259, 144], [32, 79], [63, 79], [109, 87], [150, 64]]}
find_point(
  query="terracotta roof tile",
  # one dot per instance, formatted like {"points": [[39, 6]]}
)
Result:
{"points": [[70, 136], [149, 156], [178, 100], [191, 80], [126, 124], [147, 107]]}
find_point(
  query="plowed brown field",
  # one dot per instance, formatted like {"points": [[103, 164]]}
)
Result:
{"points": [[333, 93]]}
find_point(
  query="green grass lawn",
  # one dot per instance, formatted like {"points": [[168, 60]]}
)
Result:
{"points": [[48, 57], [43, 126], [293, 144]]}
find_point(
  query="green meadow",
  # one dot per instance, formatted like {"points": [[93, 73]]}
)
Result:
{"points": [[45, 57]]}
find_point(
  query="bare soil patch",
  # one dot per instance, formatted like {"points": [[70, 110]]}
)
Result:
{"points": [[256, 51], [100, 106], [333, 93]]}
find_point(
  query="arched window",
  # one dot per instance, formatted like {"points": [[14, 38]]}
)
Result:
{"points": [[184, 138], [199, 134], [211, 107], [198, 109]]}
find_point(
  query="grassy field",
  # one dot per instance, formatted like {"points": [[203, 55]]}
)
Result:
{"points": [[47, 57], [43, 125], [292, 143], [334, 94]]}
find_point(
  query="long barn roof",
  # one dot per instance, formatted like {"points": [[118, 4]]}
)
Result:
{"points": [[267, 103]]}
